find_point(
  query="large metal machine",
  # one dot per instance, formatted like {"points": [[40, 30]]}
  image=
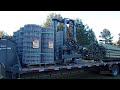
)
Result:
{"points": [[70, 48]]}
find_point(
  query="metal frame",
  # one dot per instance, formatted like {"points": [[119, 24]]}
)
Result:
{"points": [[65, 21]]}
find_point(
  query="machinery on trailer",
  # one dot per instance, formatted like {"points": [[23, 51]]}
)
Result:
{"points": [[53, 51], [70, 48]]}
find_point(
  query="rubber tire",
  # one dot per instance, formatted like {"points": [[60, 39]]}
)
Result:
{"points": [[115, 70]]}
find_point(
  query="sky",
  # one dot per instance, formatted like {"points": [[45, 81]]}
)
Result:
{"points": [[11, 21]]}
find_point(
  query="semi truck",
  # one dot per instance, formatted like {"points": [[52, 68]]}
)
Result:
{"points": [[67, 56]]}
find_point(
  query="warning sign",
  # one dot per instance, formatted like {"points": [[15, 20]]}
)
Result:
{"points": [[50, 44], [35, 44]]}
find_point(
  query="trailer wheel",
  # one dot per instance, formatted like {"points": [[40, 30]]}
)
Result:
{"points": [[114, 70]]}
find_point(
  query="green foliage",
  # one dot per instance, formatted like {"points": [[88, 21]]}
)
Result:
{"points": [[1, 34], [48, 21], [118, 42], [91, 36], [85, 35], [5, 35], [106, 36]]}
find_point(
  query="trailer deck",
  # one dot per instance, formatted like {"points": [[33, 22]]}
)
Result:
{"points": [[77, 64]]}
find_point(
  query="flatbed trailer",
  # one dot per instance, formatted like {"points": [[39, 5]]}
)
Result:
{"points": [[68, 50], [112, 66]]}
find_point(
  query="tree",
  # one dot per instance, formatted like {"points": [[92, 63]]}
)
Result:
{"points": [[5, 35], [118, 42], [91, 36], [85, 35], [1, 34], [48, 21], [106, 36]]}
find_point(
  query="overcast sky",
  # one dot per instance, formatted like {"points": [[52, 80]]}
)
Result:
{"points": [[11, 21]]}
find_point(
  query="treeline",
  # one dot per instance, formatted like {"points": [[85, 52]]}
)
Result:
{"points": [[4, 35], [85, 34]]}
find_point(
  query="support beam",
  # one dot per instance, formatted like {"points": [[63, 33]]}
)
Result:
{"points": [[54, 24], [74, 30], [65, 32]]}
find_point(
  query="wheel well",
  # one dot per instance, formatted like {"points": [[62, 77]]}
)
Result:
{"points": [[111, 65]]}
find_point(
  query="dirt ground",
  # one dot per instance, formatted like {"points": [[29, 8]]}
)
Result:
{"points": [[72, 75], [92, 75], [79, 75]]}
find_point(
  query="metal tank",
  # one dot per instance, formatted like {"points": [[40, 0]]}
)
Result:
{"points": [[8, 52]]}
